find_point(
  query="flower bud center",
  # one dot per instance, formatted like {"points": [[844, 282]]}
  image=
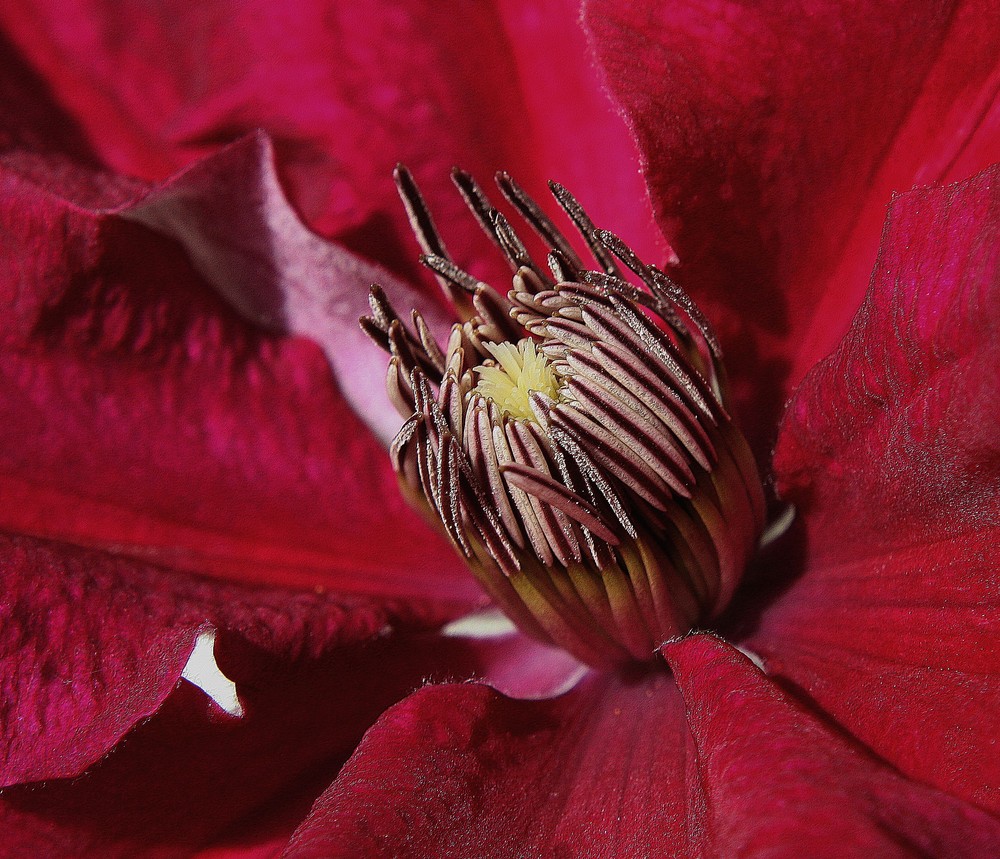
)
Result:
{"points": [[516, 372], [573, 437]]}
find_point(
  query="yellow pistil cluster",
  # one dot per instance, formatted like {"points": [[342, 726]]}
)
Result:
{"points": [[518, 371]]}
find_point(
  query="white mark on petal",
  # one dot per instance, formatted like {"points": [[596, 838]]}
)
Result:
{"points": [[569, 683], [753, 657], [203, 671], [490, 623], [778, 527]]}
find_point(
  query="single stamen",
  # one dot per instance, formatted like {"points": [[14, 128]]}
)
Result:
{"points": [[542, 224], [572, 437]]}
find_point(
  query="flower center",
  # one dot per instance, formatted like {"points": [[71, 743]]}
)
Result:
{"points": [[572, 437], [519, 370]]}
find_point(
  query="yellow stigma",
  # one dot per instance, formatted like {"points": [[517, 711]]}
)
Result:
{"points": [[520, 370]]}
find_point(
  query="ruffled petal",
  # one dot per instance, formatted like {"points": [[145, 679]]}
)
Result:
{"points": [[41, 141], [769, 180], [239, 231], [891, 452], [91, 644], [191, 780], [141, 412], [779, 782], [732, 766], [346, 90], [597, 772]]}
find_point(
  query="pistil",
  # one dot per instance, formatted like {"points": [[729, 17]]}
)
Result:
{"points": [[515, 374]]}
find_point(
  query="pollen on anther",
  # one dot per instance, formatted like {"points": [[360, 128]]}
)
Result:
{"points": [[519, 370]]}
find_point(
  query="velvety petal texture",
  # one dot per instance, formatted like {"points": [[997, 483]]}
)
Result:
{"points": [[90, 644], [231, 215], [725, 763], [578, 138], [597, 772], [511, 88], [194, 781], [141, 411], [192, 428], [771, 182], [40, 140], [891, 452], [778, 781], [76, 677]]}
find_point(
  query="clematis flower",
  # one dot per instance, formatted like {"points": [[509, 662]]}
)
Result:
{"points": [[190, 418]]}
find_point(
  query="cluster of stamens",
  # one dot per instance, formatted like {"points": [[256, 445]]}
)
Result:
{"points": [[572, 437]]}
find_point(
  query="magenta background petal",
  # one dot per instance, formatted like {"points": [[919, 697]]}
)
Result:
{"points": [[345, 90], [780, 782], [140, 411], [578, 137], [190, 779], [770, 181], [891, 452], [42, 142], [231, 215], [597, 772]]}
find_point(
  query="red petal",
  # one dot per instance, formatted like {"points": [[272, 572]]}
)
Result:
{"points": [[41, 141], [578, 137], [346, 90], [779, 782], [187, 780], [233, 219], [140, 412], [452, 769], [91, 644], [772, 136], [612, 770], [891, 452]]}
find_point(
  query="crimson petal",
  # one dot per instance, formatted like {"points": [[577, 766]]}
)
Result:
{"points": [[578, 138], [891, 451], [190, 780], [456, 770], [345, 89], [237, 227], [771, 182], [779, 782], [41, 141], [90, 644], [733, 766], [141, 412]]}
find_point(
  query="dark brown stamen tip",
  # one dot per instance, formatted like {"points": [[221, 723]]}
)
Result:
{"points": [[510, 243], [539, 221], [375, 331], [561, 267], [585, 226], [418, 213], [670, 291], [477, 202], [451, 272]]}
